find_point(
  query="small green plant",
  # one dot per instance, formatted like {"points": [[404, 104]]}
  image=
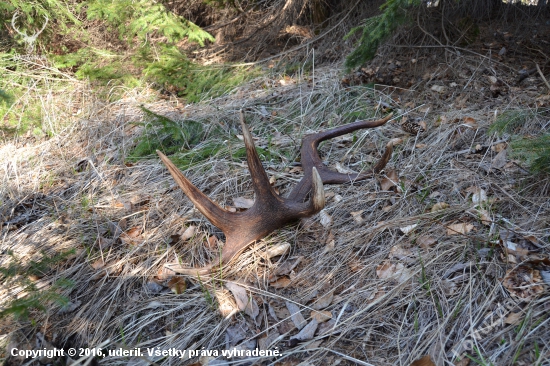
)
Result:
{"points": [[377, 29], [208, 297], [173, 71], [480, 360], [162, 133], [535, 151], [17, 274]]}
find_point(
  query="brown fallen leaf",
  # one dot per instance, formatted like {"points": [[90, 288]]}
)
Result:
{"points": [[376, 294], [165, 273], [226, 306], [104, 243], [499, 147], [469, 121], [355, 265], [513, 248], [390, 180], [212, 243], [426, 242], [499, 161], [243, 202], [329, 247], [177, 284], [464, 361], [357, 216], [277, 250], [245, 302], [449, 287], [514, 318], [282, 282], [266, 343], [174, 239], [401, 253], [188, 233], [524, 282], [296, 315], [287, 267], [307, 332], [461, 228], [323, 301], [133, 232], [485, 217], [439, 206], [321, 316], [532, 239], [424, 361], [296, 169], [389, 270], [132, 236]]}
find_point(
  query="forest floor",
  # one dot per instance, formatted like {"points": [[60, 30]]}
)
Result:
{"points": [[445, 253]]}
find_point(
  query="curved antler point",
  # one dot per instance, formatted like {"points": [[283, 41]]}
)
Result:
{"points": [[317, 191]]}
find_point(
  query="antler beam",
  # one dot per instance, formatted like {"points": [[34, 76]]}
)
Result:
{"points": [[270, 211]]}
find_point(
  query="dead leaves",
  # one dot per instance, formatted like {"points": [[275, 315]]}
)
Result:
{"points": [[132, 236], [459, 228], [321, 316], [424, 361], [325, 219], [177, 284], [390, 181], [295, 314], [187, 233], [281, 282], [245, 302], [395, 271], [426, 241], [323, 301], [524, 282], [439, 206], [277, 250]]}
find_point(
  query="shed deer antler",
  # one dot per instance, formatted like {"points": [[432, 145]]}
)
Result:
{"points": [[270, 211]]}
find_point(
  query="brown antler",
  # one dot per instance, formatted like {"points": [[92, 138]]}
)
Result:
{"points": [[270, 211]]}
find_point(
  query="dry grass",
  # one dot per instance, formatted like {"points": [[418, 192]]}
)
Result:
{"points": [[446, 295]]}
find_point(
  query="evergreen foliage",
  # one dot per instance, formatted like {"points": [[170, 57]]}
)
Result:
{"points": [[162, 133], [377, 29], [144, 18], [534, 151], [173, 69], [31, 15]]}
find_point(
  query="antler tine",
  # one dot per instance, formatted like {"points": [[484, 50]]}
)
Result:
{"points": [[260, 181], [217, 215], [317, 192], [13, 19], [310, 157]]}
